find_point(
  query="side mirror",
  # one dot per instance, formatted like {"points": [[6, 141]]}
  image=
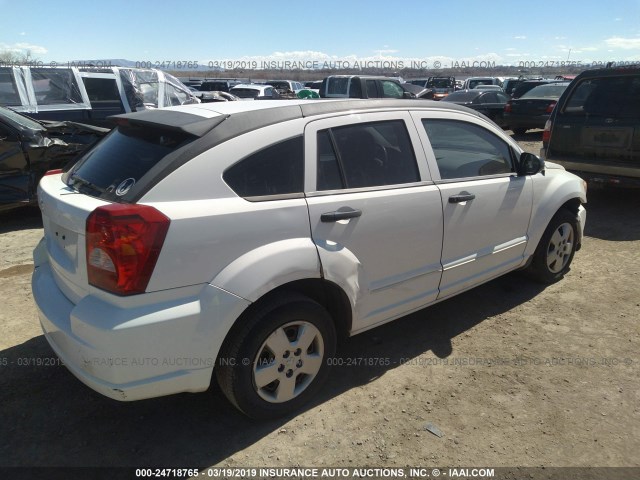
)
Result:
{"points": [[529, 164]]}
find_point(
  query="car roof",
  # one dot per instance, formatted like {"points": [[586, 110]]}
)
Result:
{"points": [[632, 69], [215, 123], [256, 86]]}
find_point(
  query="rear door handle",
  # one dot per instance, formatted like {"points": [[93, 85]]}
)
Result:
{"points": [[340, 215], [463, 197]]}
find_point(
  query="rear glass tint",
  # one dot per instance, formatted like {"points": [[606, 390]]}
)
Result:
{"points": [[607, 96], [111, 168]]}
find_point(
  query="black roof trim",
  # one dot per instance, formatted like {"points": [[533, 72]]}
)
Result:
{"points": [[321, 107], [170, 120]]}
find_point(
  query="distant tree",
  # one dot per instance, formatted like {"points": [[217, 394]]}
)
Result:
{"points": [[7, 56]]}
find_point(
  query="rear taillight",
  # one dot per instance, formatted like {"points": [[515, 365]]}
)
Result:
{"points": [[53, 172], [507, 107], [123, 244], [550, 107], [546, 134]]}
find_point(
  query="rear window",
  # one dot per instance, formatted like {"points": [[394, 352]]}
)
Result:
{"points": [[545, 91], [112, 167], [608, 96]]}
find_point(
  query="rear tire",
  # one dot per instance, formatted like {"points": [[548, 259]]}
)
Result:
{"points": [[278, 360], [553, 256]]}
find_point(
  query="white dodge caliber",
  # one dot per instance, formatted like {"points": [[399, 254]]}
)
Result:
{"points": [[240, 240]]}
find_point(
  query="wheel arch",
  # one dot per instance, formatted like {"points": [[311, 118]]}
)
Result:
{"points": [[557, 193], [326, 293]]}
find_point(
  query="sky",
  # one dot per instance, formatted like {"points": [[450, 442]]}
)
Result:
{"points": [[423, 31]]}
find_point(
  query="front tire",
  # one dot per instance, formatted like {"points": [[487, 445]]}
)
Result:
{"points": [[277, 360], [553, 256]]}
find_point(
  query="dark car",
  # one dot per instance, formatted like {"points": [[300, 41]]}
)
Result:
{"points": [[490, 103], [532, 110], [510, 84], [594, 131], [28, 149]]}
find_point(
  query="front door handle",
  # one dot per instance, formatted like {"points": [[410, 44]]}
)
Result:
{"points": [[463, 197], [340, 215]]}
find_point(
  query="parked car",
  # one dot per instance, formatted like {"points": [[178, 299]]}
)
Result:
{"points": [[88, 95], [364, 86], [29, 148], [241, 240], [286, 87], [473, 82], [594, 130], [488, 103], [441, 86], [254, 91], [532, 110]]}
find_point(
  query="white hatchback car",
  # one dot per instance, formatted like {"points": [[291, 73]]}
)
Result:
{"points": [[249, 237]]}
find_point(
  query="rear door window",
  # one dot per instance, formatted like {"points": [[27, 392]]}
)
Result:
{"points": [[366, 155]]}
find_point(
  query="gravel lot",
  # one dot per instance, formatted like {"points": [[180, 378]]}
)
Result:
{"points": [[513, 374]]}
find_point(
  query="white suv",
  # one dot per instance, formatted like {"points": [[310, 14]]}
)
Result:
{"points": [[249, 237]]}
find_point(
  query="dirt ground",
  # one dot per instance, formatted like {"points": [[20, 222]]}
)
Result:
{"points": [[512, 373]]}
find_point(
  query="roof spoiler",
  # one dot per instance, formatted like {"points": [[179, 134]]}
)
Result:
{"points": [[169, 120]]}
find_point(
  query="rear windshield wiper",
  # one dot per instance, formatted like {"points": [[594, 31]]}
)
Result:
{"points": [[75, 181]]}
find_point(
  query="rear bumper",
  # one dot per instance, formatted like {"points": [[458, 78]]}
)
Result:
{"points": [[525, 121], [142, 352], [607, 175]]}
